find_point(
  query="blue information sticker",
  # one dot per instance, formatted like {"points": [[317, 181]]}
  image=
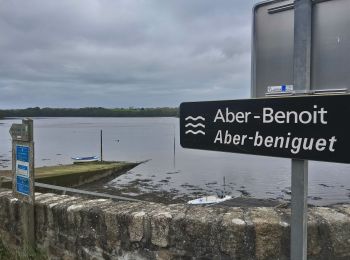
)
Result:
{"points": [[23, 167], [22, 153], [23, 185]]}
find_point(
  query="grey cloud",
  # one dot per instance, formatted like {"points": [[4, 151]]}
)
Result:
{"points": [[124, 52]]}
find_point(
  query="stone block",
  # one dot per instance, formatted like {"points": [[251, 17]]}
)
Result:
{"points": [[268, 232], [232, 233], [160, 223], [339, 230], [136, 226]]}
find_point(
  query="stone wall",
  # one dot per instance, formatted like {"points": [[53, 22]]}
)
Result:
{"points": [[70, 227]]}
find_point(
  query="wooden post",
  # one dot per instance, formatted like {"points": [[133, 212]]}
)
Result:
{"points": [[23, 178]]}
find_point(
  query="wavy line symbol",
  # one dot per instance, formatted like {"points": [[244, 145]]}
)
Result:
{"points": [[195, 132], [195, 118], [195, 125]]}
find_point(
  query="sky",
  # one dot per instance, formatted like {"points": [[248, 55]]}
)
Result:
{"points": [[123, 53]]}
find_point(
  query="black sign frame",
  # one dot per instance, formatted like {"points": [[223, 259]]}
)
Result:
{"points": [[331, 112]]}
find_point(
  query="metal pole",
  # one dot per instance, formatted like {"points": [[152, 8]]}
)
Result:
{"points": [[302, 44], [101, 146], [301, 74]]}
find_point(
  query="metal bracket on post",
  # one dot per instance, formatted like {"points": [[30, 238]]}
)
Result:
{"points": [[301, 75]]}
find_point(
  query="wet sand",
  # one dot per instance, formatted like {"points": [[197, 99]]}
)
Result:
{"points": [[134, 190], [143, 189]]}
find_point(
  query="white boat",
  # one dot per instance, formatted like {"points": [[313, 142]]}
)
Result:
{"points": [[209, 200], [85, 159], [213, 199]]}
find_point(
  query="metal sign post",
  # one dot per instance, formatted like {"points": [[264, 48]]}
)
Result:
{"points": [[287, 61], [23, 176], [301, 80], [302, 128]]}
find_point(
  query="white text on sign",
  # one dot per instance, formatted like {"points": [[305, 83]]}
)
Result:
{"points": [[268, 115]]}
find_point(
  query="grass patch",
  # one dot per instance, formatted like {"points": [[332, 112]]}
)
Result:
{"points": [[4, 251], [19, 254], [73, 175]]}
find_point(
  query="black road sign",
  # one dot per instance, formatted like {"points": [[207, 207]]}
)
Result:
{"points": [[302, 127]]}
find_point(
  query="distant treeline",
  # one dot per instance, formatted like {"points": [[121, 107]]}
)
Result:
{"points": [[90, 112]]}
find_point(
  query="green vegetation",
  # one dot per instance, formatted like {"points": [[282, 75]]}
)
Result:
{"points": [[78, 168], [4, 251], [75, 174], [20, 253], [90, 112]]}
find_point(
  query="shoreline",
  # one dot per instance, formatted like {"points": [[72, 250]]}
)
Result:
{"points": [[135, 189]]}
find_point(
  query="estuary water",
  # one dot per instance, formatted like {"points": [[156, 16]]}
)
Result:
{"points": [[169, 167]]}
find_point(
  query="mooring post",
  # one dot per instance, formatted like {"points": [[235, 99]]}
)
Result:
{"points": [[301, 81], [101, 145], [174, 151]]}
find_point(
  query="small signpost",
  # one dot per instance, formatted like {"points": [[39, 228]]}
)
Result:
{"points": [[23, 175]]}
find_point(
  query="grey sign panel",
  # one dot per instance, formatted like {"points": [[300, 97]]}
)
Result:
{"points": [[273, 36], [19, 132], [331, 45]]}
